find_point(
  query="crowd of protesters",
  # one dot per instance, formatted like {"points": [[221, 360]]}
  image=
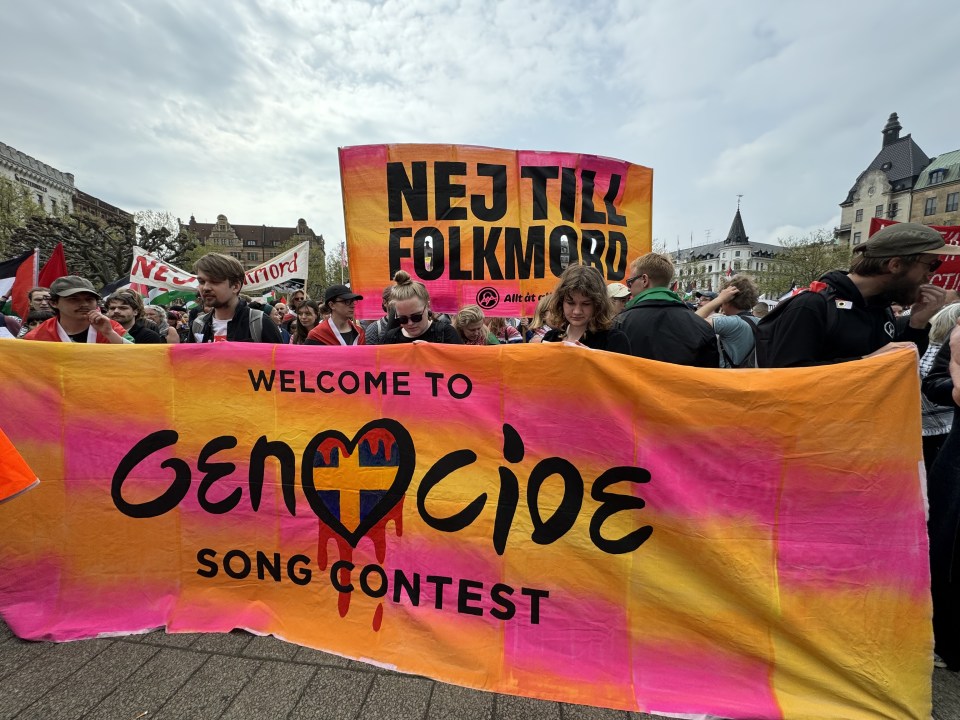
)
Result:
{"points": [[883, 302]]}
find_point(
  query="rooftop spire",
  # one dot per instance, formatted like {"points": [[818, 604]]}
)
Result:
{"points": [[891, 131], [737, 234]]}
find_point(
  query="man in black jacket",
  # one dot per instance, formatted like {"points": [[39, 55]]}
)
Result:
{"points": [[658, 323], [126, 308], [229, 319], [847, 316]]}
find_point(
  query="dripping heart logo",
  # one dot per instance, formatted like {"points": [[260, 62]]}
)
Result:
{"points": [[352, 501]]}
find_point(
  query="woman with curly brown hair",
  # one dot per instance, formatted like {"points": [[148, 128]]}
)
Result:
{"points": [[580, 312]]}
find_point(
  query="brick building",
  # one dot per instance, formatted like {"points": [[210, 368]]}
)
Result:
{"points": [[252, 244]]}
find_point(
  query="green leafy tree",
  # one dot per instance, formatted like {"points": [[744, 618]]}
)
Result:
{"points": [[99, 250], [16, 207], [804, 259]]}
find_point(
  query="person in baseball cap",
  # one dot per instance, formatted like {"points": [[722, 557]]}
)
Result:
{"points": [[848, 315], [618, 294], [77, 316], [338, 328], [905, 239]]}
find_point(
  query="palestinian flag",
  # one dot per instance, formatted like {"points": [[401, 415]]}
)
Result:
{"points": [[174, 297], [17, 276]]}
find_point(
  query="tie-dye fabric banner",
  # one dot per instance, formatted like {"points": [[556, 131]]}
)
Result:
{"points": [[542, 520], [485, 226]]}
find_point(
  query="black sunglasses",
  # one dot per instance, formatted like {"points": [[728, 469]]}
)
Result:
{"points": [[631, 280], [933, 264], [415, 318]]}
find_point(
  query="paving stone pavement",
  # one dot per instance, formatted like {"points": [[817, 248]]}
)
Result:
{"points": [[239, 676]]}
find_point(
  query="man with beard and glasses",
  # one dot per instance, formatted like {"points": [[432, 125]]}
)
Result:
{"points": [[229, 318], [848, 316]]}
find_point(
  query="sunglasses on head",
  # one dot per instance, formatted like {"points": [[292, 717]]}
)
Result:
{"points": [[414, 318]]}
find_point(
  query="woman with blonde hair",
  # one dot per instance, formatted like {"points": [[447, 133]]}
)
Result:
{"points": [[469, 323], [411, 302], [581, 313], [538, 326]]}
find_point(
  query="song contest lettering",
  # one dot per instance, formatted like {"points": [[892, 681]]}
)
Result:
{"points": [[524, 257], [385, 436]]}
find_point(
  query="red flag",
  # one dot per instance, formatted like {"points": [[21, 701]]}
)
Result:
{"points": [[24, 278], [55, 267], [15, 475]]}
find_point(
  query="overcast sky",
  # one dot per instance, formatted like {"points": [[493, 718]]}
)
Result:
{"points": [[239, 107]]}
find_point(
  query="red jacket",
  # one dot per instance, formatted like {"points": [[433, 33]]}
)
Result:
{"points": [[323, 333], [47, 332]]}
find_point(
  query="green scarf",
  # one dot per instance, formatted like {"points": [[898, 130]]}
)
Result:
{"points": [[656, 293]]}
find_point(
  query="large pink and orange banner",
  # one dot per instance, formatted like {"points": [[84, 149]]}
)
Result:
{"points": [[546, 520], [486, 226]]}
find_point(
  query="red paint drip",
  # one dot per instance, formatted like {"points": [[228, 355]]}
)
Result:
{"points": [[378, 536], [328, 446], [375, 436]]}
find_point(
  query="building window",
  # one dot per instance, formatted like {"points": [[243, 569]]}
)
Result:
{"points": [[856, 238], [736, 264], [53, 206], [251, 256], [40, 200], [710, 268], [952, 199], [859, 215], [930, 207], [892, 210], [737, 253], [938, 176], [878, 211], [251, 242], [236, 255]]}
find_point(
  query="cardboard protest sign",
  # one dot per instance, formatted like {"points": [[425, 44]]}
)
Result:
{"points": [[293, 264], [473, 516], [485, 226]]}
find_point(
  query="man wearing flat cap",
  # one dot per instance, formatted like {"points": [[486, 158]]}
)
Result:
{"points": [[847, 316], [77, 316], [339, 328]]}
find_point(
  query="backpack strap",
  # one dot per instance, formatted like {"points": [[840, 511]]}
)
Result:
{"points": [[256, 325], [197, 326], [750, 359]]}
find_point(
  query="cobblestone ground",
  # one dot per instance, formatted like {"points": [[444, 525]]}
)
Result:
{"points": [[245, 677]]}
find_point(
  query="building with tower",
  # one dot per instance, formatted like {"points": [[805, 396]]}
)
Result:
{"points": [[885, 188], [252, 244], [704, 267]]}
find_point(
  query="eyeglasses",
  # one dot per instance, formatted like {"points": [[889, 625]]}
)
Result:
{"points": [[415, 318], [932, 265], [351, 301], [631, 280]]}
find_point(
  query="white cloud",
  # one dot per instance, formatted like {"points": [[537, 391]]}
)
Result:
{"points": [[239, 107]]}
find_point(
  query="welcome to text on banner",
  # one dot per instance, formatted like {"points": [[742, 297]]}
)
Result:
{"points": [[486, 226], [650, 537]]}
